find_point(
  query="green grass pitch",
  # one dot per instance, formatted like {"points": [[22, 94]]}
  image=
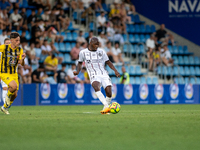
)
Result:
{"points": [[135, 127]]}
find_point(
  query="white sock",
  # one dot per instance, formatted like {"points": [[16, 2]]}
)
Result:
{"points": [[4, 93], [102, 98], [108, 100]]}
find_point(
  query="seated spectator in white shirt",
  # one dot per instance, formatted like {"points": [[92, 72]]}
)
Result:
{"points": [[102, 39], [16, 19], [150, 43], [80, 38], [3, 36], [166, 56], [110, 31], [101, 21], [117, 53], [70, 75]]}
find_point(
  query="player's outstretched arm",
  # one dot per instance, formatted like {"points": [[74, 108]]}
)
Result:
{"points": [[110, 64], [78, 68]]}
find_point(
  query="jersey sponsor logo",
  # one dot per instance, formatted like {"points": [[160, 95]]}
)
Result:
{"points": [[158, 91], [45, 90], [62, 90], [189, 91], [128, 91], [174, 91], [114, 90], [93, 92], [143, 91], [79, 90]]}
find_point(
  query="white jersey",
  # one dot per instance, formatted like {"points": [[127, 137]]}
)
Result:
{"points": [[94, 61]]}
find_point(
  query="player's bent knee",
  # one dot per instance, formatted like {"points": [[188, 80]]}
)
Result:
{"points": [[12, 86]]}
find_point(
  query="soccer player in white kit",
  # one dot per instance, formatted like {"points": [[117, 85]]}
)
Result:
{"points": [[95, 59], [3, 84]]}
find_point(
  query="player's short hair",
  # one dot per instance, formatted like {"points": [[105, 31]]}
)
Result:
{"points": [[14, 35], [6, 39]]}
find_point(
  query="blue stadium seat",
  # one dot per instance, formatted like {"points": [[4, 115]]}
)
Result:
{"points": [[62, 47], [136, 48], [197, 71], [186, 80], [38, 52], [155, 80], [28, 12], [69, 36], [170, 48], [132, 70], [127, 69], [119, 69], [92, 26], [132, 28], [153, 28], [64, 35], [180, 49], [125, 48], [198, 81], [61, 55], [137, 19], [149, 80], [185, 49], [147, 36], [34, 67], [138, 70], [175, 60], [125, 38], [110, 72], [192, 80], [70, 27], [56, 46], [67, 58], [1, 31], [73, 45], [142, 38], [191, 60], [137, 28], [142, 28], [132, 18], [175, 49], [75, 15], [181, 69], [114, 80], [148, 29], [142, 49], [176, 80], [186, 60], [137, 80], [131, 49], [59, 67], [131, 38], [169, 71], [28, 35], [137, 38], [175, 71], [68, 47], [196, 61], [187, 70], [132, 80], [74, 36], [181, 80], [143, 80], [20, 32], [180, 60], [105, 7], [192, 71]]}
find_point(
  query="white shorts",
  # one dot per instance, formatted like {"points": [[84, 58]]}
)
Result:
{"points": [[103, 79], [3, 84]]}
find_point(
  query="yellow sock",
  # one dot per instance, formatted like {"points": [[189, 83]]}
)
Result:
{"points": [[9, 94], [11, 103], [8, 97], [5, 106]]}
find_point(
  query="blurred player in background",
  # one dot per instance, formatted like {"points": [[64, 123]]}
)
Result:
{"points": [[3, 84], [11, 56], [95, 60]]}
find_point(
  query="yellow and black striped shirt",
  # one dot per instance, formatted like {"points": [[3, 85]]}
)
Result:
{"points": [[9, 59]]}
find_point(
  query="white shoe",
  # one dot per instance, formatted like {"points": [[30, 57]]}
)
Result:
{"points": [[5, 111], [7, 101]]}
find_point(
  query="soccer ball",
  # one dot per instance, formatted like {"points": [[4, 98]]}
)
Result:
{"points": [[114, 107]]}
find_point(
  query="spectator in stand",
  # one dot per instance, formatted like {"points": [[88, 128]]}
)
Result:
{"points": [[110, 31], [63, 20], [166, 56], [101, 22], [37, 74], [118, 37], [83, 46], [4, 4], [53, 19], [154, 59], [61, 76], [8, 33], [117, 53], [70, 75], [54, 50], [36, 38], [109, 52], [150, 43], [16, 19], [81, 76], [103, 39], [39, 14], [163, 36], [23, 37], [4, 20], [51, 63], [46, 16], [24, 23], [90, 36], [124, 17], [31, 51], [3, 36], [125, 78], [80, 38], [130, 8], [35, 28], [25, 72], [75, 51], [115, 14], [46, 48]]}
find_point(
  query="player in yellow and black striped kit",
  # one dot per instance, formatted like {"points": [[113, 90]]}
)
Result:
{"points": [[11, 56]]}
